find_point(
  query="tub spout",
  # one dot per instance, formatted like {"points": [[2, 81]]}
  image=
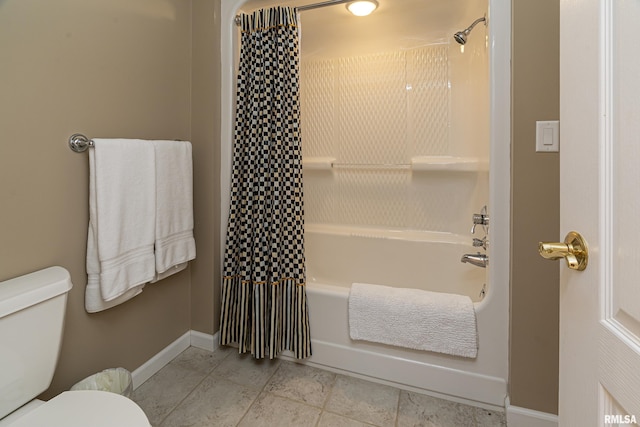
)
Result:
{"points": [[479, 260]]}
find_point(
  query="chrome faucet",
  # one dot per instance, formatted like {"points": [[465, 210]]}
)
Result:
{"points": [[479, 260], [480, 219], [481, 243]]}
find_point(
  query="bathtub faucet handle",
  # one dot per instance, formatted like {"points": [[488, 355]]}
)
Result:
{"points": [[481, 219], [480, 243]]}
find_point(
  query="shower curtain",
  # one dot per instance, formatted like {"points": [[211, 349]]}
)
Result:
{"points": [[264, 305]]}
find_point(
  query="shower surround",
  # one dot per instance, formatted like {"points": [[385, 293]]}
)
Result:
{"points": [[403, 142], [385, 120]]}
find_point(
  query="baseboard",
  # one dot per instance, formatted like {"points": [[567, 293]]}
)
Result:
{"points": [[205, 341], [523, 417], [170, 352], [191, 338], [158, 361]]}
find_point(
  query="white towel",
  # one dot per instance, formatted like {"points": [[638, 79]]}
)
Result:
{"points": [[122, 210], [174, 242], [412, 318]]}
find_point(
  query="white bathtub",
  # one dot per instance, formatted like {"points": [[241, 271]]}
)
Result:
{"points": [[430, 261], [337, 257]]}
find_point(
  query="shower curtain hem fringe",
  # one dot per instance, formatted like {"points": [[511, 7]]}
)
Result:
{"points": [[245, 308]]}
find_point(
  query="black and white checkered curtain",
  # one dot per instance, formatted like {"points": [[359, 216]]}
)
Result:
{"points": [[264, 304]]}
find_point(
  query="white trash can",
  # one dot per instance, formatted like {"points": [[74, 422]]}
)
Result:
{"points": [[115, 380]]}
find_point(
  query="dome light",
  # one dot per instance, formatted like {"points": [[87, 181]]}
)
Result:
{"points": [[362, 8]]}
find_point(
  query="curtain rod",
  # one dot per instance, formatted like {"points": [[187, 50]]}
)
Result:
{"points": [[311, 6], [321, 4]]}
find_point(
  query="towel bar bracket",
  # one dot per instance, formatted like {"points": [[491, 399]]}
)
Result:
{"points": [[79, 143]]}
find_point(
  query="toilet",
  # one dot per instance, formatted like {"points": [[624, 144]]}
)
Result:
{"points": [[32, 309]]}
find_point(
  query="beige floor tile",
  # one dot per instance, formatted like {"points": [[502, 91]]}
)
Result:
{"points": [[422, 410], [161, 393], [243, 369], [201, 360], [487, 418], [215, 402], [364, 401], [327, 419], [270, 410], [242, 391], [302, 383]]}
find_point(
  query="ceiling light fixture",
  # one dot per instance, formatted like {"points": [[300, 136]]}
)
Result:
{"points": [[362, 8]]}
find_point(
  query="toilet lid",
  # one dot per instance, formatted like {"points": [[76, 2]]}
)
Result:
{"points": [[85, 408]]}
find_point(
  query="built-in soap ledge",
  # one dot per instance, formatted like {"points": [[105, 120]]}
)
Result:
{"points": [[418, 164], [448, 163], [318, 163]]}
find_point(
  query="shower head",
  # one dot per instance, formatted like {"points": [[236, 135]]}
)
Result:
{"points": [[461, 36]]}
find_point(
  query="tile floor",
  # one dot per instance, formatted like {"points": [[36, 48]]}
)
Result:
{"points": [[223, 388]]}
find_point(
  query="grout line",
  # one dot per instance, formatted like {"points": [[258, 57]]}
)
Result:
{"points": [[323, 407], [262, 390], [195, 387], [206, 375], [219, 349], [398, 408], [326, 400]]}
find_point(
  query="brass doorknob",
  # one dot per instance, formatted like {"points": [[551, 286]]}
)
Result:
{"points": [[574, 250]]}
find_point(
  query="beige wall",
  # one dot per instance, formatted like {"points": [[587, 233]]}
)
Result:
{"points": [[535, 207], [106, 68]]}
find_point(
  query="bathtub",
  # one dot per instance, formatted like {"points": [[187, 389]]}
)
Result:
{"points": [[339, 256]]}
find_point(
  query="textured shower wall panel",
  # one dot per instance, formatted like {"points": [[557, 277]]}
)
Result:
{"points": [[317, 99], [372, 113], [428, 100], [317, 108], [440, 200], [320, 194], [372, 197], [372, 109]]}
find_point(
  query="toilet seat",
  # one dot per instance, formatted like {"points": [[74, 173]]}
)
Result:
{"points": [[84, 408]]}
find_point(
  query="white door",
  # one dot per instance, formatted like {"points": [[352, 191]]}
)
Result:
{"points": [[600, 198]]}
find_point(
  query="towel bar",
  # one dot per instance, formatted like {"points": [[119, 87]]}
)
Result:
{"points": [[79, 143]]}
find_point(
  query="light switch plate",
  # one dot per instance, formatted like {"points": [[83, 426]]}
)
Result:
{"points": [[548, 136]]}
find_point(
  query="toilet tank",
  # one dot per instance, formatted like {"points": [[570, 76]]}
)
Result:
{"points": [[32, 309]]}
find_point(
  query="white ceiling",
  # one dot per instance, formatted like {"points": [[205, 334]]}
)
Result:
{"points": [[396, 24]]}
